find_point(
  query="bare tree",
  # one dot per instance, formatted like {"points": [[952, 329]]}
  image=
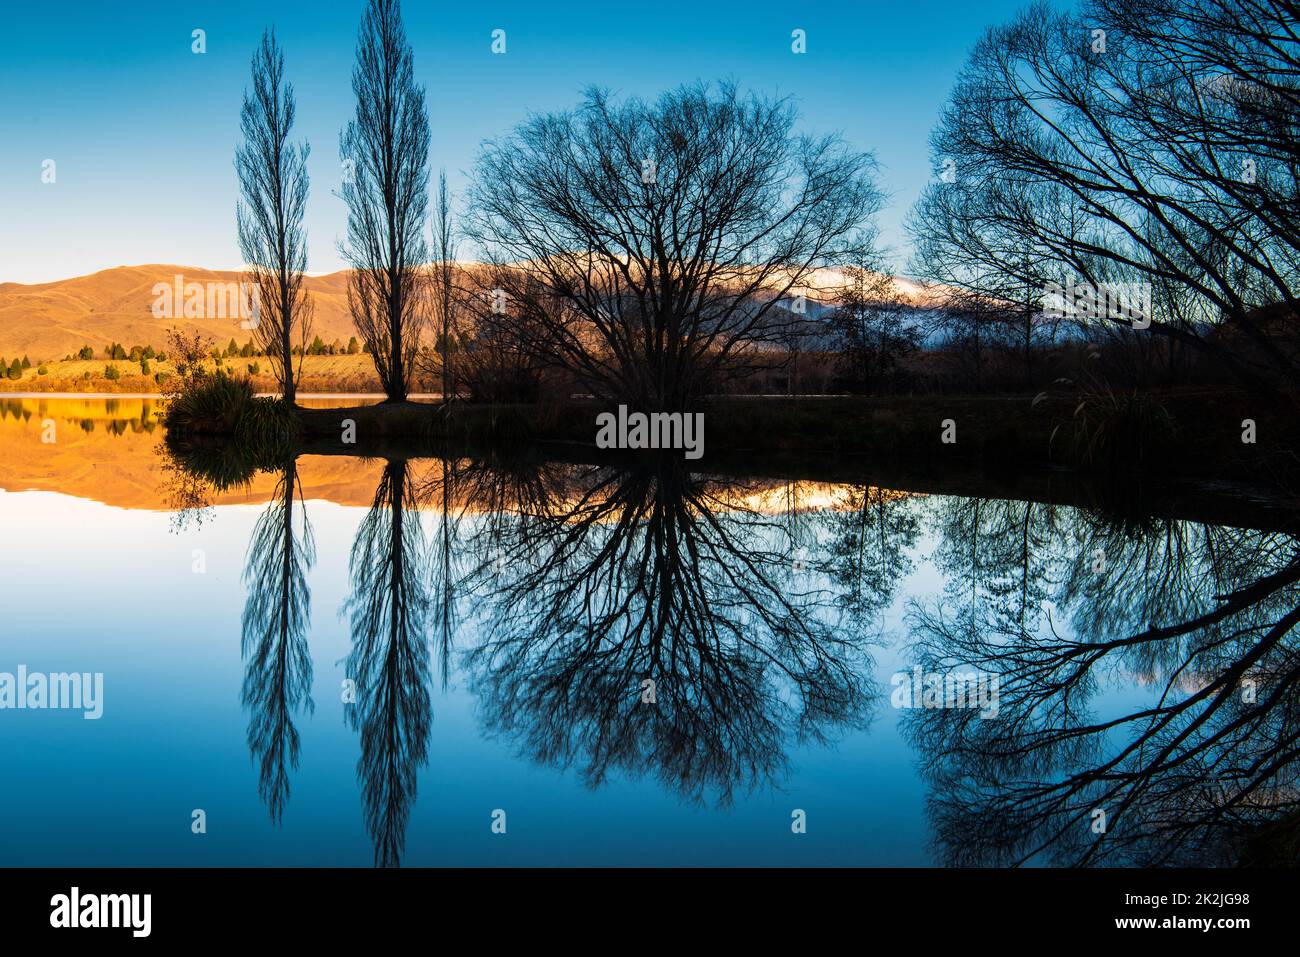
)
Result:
{"points": [[444, 279], [873, 329], [650, 249], [385, 153], [1149, 141], [272, 239]]}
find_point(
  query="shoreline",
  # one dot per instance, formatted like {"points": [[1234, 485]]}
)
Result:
{"points": [[419, 397]]}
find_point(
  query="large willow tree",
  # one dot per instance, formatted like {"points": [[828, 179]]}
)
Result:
{"points": [[650, 251], [1144, 141]]}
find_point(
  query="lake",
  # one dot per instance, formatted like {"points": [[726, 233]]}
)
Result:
{"points": [[496, 658]]}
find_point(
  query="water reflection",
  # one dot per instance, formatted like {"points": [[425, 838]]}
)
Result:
{"points": [[277, 613], [1198, 770], [642, 621], [389, 661]]}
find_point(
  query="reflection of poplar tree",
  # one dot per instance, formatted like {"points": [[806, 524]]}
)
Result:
{"points": [[444, 567], [389, 661], [277, 663]]}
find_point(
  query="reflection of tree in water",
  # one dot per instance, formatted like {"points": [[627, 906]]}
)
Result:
{"points": [[389, 661], [495, 489], [995, 556], [1192, 771], [277, 662], [867, 554], [277, 609], [608, 578]]}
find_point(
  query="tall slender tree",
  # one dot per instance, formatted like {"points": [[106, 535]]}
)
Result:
{"points": [[273, 185], [385, 151], [444, 279]]}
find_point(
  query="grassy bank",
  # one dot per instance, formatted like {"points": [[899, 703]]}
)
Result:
{"points": [[978, 468], [1186, 434], [337, 373]]}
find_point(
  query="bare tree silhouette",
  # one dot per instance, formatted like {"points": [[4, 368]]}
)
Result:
{"points": [[1130, 141], [445, 282], [272, 238], [649, 249], [385, 152]]}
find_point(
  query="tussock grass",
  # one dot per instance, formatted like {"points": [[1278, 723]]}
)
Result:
{"points": [[220, 405]]}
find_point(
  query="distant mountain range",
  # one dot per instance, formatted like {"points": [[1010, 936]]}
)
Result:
{"points": [[47, 321]]}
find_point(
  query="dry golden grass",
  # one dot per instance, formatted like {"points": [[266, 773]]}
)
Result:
{"points": [[339, 373]]}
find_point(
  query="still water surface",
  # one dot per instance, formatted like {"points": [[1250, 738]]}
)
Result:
{"points": [[352, 661]]}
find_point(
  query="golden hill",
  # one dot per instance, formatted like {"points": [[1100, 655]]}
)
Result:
{"points": [[47, 321], [50, 320]]}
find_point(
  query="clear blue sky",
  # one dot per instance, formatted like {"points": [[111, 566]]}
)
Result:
{"points": [[143, 131]]}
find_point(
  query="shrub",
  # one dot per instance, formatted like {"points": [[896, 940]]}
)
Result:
{"points": [[112, 373], [222, 405], [1118, 430], [42, 369]]}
